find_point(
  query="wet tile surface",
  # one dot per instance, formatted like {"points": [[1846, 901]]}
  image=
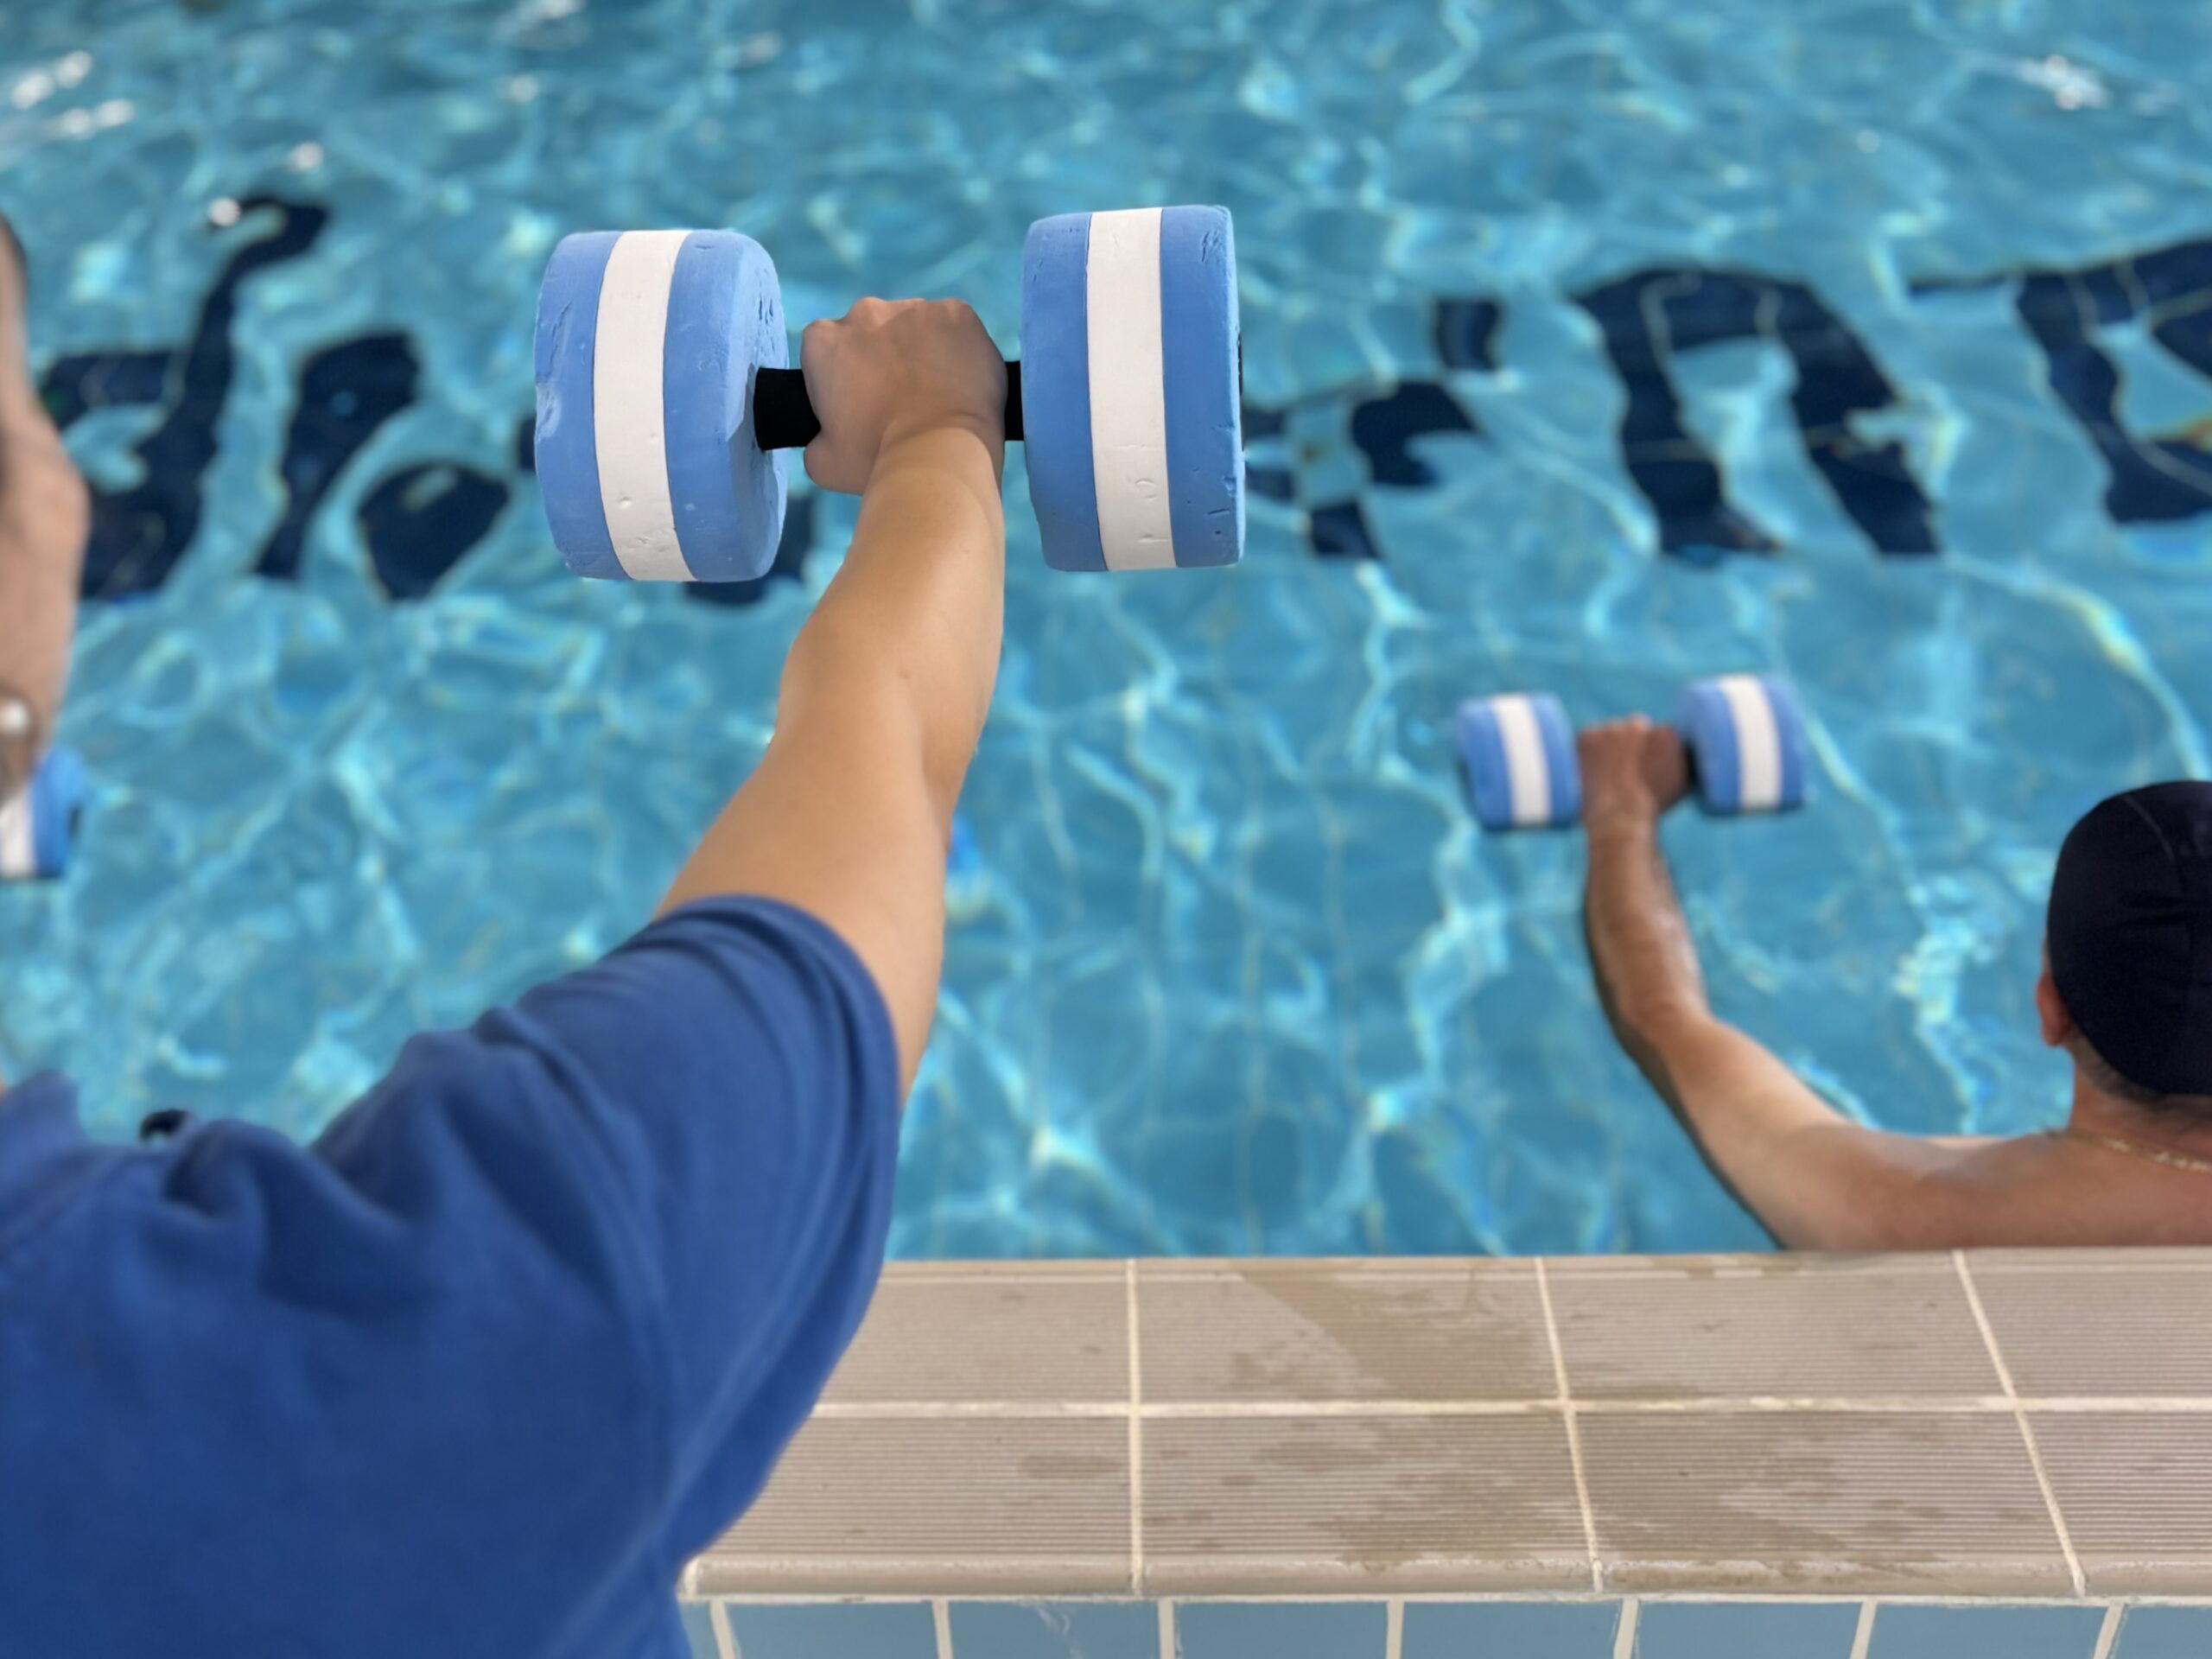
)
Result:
{"points": [[1360, 1504], [2136, 1491], [1798, 1328], [1297, 1330], [1055, 1333], [2117, 1328], [1010, 1506], [1814, 1501]]}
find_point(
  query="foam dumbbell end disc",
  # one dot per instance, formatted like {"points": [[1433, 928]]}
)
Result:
{"points": [[1132, 412], [38, 826], [1746, 738], [646, 345], [1519, 755]]}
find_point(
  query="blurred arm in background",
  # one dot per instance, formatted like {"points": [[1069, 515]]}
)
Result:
{"points": [[43, 520]]}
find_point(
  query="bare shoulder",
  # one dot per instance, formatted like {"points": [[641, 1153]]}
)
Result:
{"points": [[2046, 1190]]}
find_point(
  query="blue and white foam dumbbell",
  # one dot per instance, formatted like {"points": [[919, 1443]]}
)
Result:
{"points": [[664, 403], [1745, 733], [38, 824]]}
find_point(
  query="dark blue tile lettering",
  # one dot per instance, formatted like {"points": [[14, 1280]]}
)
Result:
{"points": [[1339, 531], [345, 394], [1647, 317], [139, 534], [1384, 427], [419, 523]]}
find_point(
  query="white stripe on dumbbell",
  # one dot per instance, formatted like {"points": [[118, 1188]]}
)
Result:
{"points": [[1526, 773], [1759, 744], [627, 419], [18, 853], [1129, 396]]}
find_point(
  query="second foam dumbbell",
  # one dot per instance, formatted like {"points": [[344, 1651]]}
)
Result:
{"points": [[666, 406], [1745, 733]]}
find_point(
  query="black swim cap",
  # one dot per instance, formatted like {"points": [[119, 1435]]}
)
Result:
{"points": [[2130, 934]]}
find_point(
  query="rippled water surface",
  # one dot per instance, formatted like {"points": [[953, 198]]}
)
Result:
{"points": [[1230, 969]]}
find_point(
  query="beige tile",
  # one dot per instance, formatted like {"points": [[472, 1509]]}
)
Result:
{"points": [[2119, 1327], [1916, 1502], [981, 1506], [1014, 1332], [1795, 1327], [1360, 1504], [2136, 1493], [1340, 1331]]}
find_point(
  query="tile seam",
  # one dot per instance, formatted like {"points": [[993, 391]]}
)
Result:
{"points": [[1956, 1405], [2020, 1417], [1136, 1408], [1574, 1431], [1624, 1630], [1862, 1638]]}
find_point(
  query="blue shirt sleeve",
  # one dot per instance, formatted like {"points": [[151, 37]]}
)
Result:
{"points": [[476, 1372], [710, 1115]]}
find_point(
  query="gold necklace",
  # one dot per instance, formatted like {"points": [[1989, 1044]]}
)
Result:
{"points": [[2156, 1154]]}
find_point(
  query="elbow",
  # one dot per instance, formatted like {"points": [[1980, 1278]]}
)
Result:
{"points": [[1911, 1216]]}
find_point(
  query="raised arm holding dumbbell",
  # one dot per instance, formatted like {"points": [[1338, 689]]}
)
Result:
{"points": [[2127, 963], [575, 1275]]}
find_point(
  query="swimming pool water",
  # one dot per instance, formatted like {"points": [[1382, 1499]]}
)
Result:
{"points": [[1230, 969]]}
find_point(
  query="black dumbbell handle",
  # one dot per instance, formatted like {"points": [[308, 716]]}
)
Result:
{"points": [[784, 416]]}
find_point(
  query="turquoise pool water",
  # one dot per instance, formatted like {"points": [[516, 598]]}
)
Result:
{"points": [[1230, 969]]}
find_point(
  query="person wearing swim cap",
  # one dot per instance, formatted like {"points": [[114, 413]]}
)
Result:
{"points": [[2125, 994], [527, 1326], [43, 526]]}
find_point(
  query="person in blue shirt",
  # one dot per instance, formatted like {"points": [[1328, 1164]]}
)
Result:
{"points": [[528, 1325]]}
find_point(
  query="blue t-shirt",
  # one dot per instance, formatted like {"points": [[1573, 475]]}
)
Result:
{"points": [[475, 1373]]}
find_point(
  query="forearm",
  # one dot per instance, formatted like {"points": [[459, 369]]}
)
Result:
{"points": [[912, 621], [1641, 952], [849, 813], [1812, 1176]]}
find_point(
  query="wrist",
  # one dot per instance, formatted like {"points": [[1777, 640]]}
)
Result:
{"points": [[1629, 820], [944, 437]]}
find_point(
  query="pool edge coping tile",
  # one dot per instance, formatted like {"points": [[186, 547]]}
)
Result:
{"points": [[961, 1567]]}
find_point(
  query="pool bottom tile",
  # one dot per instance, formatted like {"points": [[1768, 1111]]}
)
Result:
{"points": [[1510, 1629], [1279, 1630], [1723, 1629], [833, 1630], [1917, 1632], [699, 1629], [2165, 1633], [1055, 1629]]}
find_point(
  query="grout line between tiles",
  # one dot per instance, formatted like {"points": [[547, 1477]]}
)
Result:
{"points": [[1394, 1628], [1624, 1631], [1573, 1434], [2020, 1417], [725, 1637], [1136, 1436], [941, 1616], [1302, 1597], [1710, 1405], [2108, 1632], [1862, 1638], [1167, 1649]]}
